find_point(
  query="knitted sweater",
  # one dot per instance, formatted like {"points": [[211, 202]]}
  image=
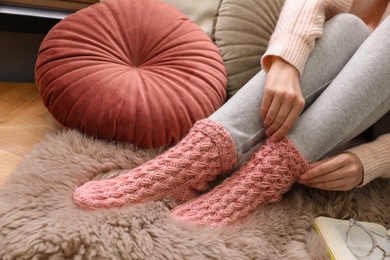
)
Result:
{"points": [[299, 24]]}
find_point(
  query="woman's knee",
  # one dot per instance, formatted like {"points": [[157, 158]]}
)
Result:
{"points": [[348, 23]]}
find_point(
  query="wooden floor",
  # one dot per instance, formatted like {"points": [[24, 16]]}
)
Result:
{"points": [[24, 121]]}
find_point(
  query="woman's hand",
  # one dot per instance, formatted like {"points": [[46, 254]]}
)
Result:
{"points": [[340, 172], [283, 101]]}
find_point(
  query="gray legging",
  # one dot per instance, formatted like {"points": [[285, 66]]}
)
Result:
{"points": [[346, 86]]}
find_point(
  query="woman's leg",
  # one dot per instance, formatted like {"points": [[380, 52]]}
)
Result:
{"points": [[210, 147], [240, 115], [357, 97]]}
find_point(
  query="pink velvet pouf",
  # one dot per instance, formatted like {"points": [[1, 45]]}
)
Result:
{"points": [[130, 70]]}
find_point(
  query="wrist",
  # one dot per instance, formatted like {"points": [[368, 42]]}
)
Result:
{"points": [[280, 64]]}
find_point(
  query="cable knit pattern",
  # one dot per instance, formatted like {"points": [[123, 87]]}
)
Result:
{"points": [[180, 173], [269, 174]]}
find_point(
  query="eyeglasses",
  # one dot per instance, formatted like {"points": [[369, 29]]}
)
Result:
{"points": [[361, 241]]}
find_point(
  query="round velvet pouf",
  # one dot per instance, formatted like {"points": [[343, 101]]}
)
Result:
{"points": [[130, 70]]}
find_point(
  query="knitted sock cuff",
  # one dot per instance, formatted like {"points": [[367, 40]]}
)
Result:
{"points": [[298, 157], [222, 140]]}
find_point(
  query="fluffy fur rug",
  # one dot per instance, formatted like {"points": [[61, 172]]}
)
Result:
{"points": [[38, 219]]}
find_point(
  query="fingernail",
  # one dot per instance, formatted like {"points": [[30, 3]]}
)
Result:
{"points": [[303, 177]]}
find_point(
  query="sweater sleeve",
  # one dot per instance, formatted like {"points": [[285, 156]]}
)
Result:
{"points": [[375, 157], [299, 24]]}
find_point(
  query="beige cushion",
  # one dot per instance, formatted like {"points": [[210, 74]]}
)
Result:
{"points": [[241, 31], [201, 12]]}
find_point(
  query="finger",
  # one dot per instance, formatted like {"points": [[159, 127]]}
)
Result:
{"points": [[327, 177], [314, 172], [342, 177], [320, 168], [337, 185], [271, 114], [279, 119], [315, 164], [266, 103], [287, 124]]}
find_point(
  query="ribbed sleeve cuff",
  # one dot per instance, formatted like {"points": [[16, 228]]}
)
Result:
{"points": [[290, 48], [299, 24], [375, 157]]}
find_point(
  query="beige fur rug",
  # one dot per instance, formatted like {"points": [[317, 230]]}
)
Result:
{"points": [[38, 219]]}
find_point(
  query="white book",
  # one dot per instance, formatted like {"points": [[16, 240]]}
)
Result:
{"points": [[334, 232]]}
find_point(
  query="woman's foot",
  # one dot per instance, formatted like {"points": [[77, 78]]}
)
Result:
{"points": [[270, 172], [181, 173]]}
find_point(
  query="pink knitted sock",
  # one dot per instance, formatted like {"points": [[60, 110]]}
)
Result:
{"points": [[180, 173], [269, 173]]}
